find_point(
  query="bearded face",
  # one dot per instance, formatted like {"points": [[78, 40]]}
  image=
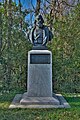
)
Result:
{"points": [[39, 21], [40, 24]]}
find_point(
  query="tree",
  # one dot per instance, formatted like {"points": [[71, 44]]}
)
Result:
{"points": [[66, 54], [14, 45], [37, 10]]}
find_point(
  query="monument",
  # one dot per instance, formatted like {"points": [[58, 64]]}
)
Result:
{"points": [[39, 81], [39, 61]]}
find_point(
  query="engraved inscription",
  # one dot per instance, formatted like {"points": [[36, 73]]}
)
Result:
{"points": [[40, 59]]}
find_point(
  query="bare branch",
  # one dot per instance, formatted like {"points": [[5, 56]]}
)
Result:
{"points": [[48, 1], [64, 2]]}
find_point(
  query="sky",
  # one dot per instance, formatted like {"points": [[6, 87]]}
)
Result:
{"points": [[26, 4]]}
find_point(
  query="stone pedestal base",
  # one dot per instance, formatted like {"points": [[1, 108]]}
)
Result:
{"points": [[21, 101], [39, 100]]}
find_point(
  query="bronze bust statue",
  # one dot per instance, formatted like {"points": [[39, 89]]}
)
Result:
{"points": [[40, 34]]}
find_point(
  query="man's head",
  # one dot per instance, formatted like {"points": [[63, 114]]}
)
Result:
{"points": [[39, 21]]}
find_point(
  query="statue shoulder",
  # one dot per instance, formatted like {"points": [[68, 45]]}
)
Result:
{"points": [[31, 34], [46, 29], [48, 33]]}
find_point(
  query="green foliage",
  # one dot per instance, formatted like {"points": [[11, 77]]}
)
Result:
{"points": [[14, 47], [66, 53]]}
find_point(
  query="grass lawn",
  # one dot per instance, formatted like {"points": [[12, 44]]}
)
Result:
{"points": [[72, 113]]}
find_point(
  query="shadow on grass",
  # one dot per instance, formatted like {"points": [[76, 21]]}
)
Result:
{"points": [[74, 101]]}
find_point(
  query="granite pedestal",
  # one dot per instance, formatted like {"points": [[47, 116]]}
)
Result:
{"points": [[39, 73], [39, 84]]}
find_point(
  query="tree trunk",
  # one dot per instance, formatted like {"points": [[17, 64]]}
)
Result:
{"points": [[0, 33], [21, 21], [9, 43], [37, 7]]}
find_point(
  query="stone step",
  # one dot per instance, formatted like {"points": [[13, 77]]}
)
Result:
{"points": [[39, 101]]}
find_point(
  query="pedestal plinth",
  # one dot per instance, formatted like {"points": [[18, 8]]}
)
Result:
{"points": [[39, 73]]}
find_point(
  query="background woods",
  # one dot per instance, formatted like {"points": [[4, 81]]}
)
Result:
{"points": [[63, 18]]}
